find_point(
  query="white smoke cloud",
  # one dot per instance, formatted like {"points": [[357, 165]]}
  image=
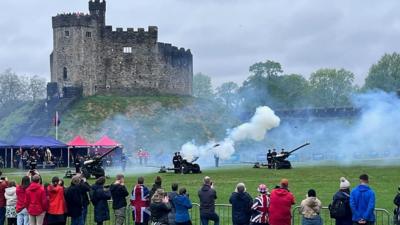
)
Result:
{"points": [[263, 120]]}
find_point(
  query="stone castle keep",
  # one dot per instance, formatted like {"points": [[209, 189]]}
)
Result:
{"points": [[96, 59]]}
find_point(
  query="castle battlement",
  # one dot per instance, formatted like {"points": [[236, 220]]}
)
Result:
{"points": [[169, 49], [130, 35], [71, 20]]}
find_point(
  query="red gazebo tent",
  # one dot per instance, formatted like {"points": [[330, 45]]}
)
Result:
{"points": [[105, 141], [78, 141]]}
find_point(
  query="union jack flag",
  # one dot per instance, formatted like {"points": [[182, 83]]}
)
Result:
{"points": [[260, 209], [140, 203]]}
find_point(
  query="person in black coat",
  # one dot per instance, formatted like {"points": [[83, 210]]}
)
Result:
{"points": [[99, 196], [160, 207], [207, 196], [73, 199], [241, 205], [344, 195], [119, 194], [396, 201], [85, 189]]}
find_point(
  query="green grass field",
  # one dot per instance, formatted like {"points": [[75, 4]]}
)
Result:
{"points": [[324, 179]]}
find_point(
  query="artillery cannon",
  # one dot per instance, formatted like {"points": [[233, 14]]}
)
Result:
{"points": [[93, 167], [281, 161], [186, 167]]}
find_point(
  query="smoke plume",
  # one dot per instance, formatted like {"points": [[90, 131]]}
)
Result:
{"points": [[256, 129]]}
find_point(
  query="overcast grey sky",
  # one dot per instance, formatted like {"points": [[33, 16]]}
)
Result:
{"points": [[225, 36]]}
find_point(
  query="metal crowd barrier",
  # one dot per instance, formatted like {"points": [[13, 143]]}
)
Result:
{"points": [[382, 216], [224, 211]]}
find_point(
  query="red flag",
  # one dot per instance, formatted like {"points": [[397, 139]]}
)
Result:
{"points": [[56, 120]]}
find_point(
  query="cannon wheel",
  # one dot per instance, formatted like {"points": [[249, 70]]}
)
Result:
{"points": [[196, 168], [185, 169], [85, 173], [99, 172]]}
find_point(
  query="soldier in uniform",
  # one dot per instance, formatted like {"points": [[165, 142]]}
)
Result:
{"points": [[180, 159], [274, 153], [175, 161], [269, 159], [123, 161], [77, 163]]}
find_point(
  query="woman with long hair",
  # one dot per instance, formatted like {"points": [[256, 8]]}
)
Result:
{"points": [[22, 212]]}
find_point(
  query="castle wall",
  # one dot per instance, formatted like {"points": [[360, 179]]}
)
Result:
{"points": [[148, 68], [129, 62]]}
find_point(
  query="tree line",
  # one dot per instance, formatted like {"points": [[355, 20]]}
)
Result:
{"points": [[268, 84], [16, 88]]}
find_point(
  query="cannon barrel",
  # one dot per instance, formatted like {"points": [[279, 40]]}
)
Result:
{"points": [[301, 146], [98, 159]]}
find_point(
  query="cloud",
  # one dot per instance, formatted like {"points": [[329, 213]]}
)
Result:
{"points": [[225, 36]]}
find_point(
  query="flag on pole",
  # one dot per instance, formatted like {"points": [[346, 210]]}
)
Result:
{"points": [[56, 120]]}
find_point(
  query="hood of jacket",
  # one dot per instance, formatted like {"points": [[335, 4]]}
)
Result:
{"points": [[363, 188], [281, 192], [96, 187], [240, 195], [10, 191], [205, 188], [311, 202], [34, 187]]}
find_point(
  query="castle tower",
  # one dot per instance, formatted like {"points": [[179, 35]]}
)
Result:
{"points": [[97, 10], [76, 38]]}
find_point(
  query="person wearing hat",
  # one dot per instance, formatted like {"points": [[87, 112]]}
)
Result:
{"points": [[310, 209], [362, 202], [281, 201], [241, 205], [340, 207], [260, 207], [396, 201]]}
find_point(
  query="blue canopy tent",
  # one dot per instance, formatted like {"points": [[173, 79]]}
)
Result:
{"points": [[3, 152], [40, 144]]}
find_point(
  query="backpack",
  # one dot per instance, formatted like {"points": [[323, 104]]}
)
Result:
{"points": [[338, 208]]}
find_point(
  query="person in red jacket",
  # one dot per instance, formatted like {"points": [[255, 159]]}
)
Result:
{"points": [[3, 186], [56, 210], [36, 201], [22, 212], [281, 201]]}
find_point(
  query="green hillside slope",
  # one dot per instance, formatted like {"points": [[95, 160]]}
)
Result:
{"points": [[155, 122]]}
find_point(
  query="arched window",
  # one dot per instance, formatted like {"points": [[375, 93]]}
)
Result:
{"points": [[65, 73]]}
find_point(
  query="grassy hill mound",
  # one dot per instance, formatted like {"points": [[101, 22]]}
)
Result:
{"points": [[155, 122]]}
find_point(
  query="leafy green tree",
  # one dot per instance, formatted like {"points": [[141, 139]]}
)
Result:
{"points": [[227, 93], [331, 87], [12, 88], [384, 75], [202, 87], [291, 91], [267, 69]]}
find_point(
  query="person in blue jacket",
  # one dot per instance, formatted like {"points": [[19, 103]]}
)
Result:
{"points": [[362, 202], [182, 205]]}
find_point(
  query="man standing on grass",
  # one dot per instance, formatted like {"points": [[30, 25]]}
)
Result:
{"points": [[119, 194], [362, 202], [140, 203], [281, 202], [207, 196]]}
